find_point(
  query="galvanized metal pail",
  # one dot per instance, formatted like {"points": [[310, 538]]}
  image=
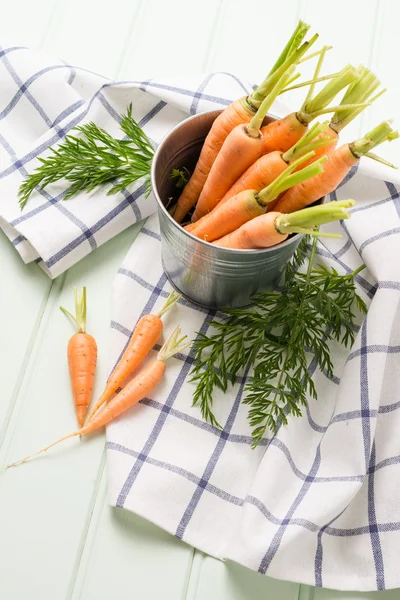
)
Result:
{"points": [[207, 275]]}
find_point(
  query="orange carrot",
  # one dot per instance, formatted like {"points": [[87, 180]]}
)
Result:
{"points": [[267, 168], [284, 133], [241, 148], [336, 168], [146, 333], [274, 227], [360, 91], [239, 112], [250, 203], [140, 387], [82, 358]]}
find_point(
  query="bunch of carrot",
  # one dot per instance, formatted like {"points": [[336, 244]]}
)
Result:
{"points": [[82, 358], [247, 169]]}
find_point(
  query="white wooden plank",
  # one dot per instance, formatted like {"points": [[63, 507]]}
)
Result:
{"points": [[92, 35], [24, 23], [334, 595], [248, 39], [383, 55], [169, 38], [51, 498], [24, 291], [215, 580], [122, 554], [349, 28]]}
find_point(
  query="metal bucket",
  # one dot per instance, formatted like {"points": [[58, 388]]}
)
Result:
{"points": [[207, 275]]}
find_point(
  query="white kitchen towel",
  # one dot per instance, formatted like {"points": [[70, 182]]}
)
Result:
{"points": [[41, 100], [319, 503]]}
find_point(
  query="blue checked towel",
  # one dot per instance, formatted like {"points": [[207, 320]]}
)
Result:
{"points": [[41, 100], [319, 502]]}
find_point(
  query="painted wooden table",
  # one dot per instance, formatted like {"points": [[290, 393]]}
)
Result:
{"points": [[59, 539]]}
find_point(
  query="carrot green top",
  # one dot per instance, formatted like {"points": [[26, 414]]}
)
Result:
{"points": [[80, 311], [288, 179], [360, 91], [303, 221], [174, 344]]}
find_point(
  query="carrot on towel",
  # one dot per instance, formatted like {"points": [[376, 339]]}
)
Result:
{"points": [[146, 333], [137, 389]]}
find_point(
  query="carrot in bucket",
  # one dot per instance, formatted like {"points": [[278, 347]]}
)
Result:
{"points": [[239, 112], [273, 228], [269, 166], [336, 168], [249, 204], [242, 147]]}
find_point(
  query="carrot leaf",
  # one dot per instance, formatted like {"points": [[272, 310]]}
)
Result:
{"points": [[275, 339], [93, 159], [180, 177]]}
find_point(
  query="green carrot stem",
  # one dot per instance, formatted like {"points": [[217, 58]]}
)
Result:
{"points": [[378, 95], [313, 232], [324, 111], [358, 270], [316, 74], [288, 179], [305, 58], [381, 133], [253, 128], [358, 92], [80, 311], [173, 345], [302, 146], [293, 78], [169, 303], [269, 83], [381, 160], [313, 107], [293, 43], [314, 216], [309, 82]]}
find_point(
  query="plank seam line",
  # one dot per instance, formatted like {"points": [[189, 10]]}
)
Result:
{"points": [[85, 530], [135, 19], [195, 573], [211, 46], [306, 592], [24, 365], [372, 59], [188, 576], [49, 25]]}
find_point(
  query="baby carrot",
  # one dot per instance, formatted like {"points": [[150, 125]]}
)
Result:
{"points": [[239, 112], [82, 358], [249, 204], [241, 148], [336, 168], [137, 389], [146, 333], [273, 228]]}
